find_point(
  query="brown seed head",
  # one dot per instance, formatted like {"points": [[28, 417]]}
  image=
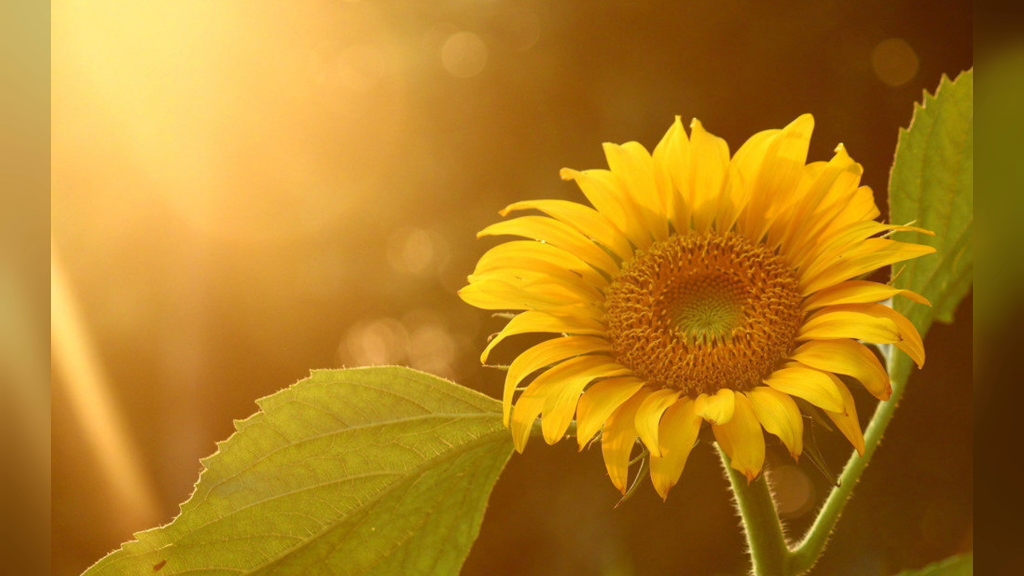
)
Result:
{"points": [[701, 312]]}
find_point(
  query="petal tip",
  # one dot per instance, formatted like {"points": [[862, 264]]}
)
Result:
{"points": [[805, 120]]}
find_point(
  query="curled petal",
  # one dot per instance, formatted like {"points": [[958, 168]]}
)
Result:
{"points": [[847, 421], [742, 439], [598, 403], [561, 405], [812, 385], [648, 417], [546, 389], [907, 339], [779, 415], [543, 355], [679, 428], [619, 437], [837, 323], [850, 358], [859, 292], [718, 408]]}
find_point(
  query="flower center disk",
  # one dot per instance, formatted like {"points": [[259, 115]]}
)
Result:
{"points": [[702, 312]]}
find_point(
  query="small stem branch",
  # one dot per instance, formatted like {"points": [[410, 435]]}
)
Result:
{"points": [[761, 525]]}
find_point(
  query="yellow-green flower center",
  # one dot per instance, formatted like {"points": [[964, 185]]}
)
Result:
{"points": [[706, 308], [701, 312]]}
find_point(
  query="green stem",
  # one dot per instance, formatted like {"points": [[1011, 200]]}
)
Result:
{"points": [[768, 551]]}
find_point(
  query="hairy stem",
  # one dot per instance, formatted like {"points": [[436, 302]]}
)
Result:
{"points": [[768, 551]]}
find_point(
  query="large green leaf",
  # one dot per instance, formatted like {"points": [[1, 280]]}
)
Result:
{"points": [[356, 472], [962, 565], [932, 183]]}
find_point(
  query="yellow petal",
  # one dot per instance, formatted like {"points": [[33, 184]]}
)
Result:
{"points": [[838, 322], [859, 292], [561, 403], [526, 413], [847, 241], [584, 219], [829, 249], [717, 409], [709, 163], [619, 437], [868, 256], [779, 415], [546, 386], [840, 174], [528, 254], [544, 229], [598, 403], [779, 174], [531, 321], [741, 177], [782, 213], [808, 236], [742, 439], [847, 357], [909, 338], [545, 354], [635, 168], [670, 158], [859, 207], [492, 294], [604, 190], [847, 422], [678, 433], [648, 417], [568, 288], [812, 385]]}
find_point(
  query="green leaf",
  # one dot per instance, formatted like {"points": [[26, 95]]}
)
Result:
{"points": [[932, 184], [357, 472], [961, 565]]}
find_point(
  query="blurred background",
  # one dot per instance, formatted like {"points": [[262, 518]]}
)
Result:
{"points": [[242, 191]]}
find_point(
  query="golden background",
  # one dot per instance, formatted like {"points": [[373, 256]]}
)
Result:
{"points": [[242, 191]]}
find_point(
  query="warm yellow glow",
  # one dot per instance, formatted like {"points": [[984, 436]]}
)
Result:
{"points": [[88, 392], [223, 110]]}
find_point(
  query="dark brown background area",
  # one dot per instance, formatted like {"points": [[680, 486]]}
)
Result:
{"points": [[244, 191]]}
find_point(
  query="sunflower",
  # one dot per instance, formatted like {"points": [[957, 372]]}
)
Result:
{"points": [[698, 288]]}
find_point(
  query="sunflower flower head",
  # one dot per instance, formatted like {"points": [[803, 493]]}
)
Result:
{"points": [[696, 287]]}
